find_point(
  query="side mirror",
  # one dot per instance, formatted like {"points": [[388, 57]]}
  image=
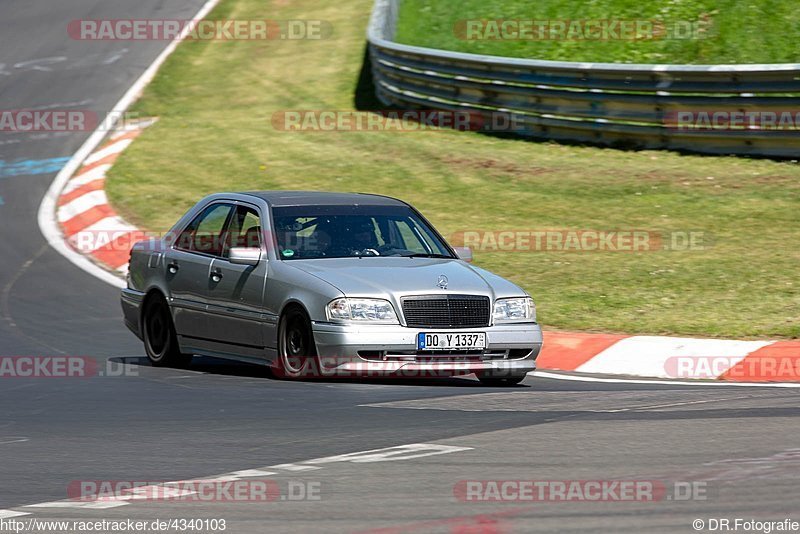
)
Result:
{"points": [[244, 256], [464, 253]]}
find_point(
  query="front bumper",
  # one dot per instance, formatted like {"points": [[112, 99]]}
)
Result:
{"points": [[392, 349]]}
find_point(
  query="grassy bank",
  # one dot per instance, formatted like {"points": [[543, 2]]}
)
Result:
{"points": [[723, 31], [216, 101]]}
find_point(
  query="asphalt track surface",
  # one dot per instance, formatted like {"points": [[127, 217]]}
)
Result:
{"points": [[742, 445]]}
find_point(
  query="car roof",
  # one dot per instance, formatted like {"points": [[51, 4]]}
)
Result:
{"points": [[321, 198]]}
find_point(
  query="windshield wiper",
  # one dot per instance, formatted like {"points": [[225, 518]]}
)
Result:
{"points": [[425, 255]]}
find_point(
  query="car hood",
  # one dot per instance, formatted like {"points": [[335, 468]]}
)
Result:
{"points": [[394, 277]]}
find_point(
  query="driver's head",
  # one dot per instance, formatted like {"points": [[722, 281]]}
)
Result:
{"points": [[362, 233], [321, 241]]}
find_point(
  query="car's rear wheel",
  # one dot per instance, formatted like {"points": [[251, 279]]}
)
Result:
{"points": [[501, 381], [297, 353], [160, 339]]}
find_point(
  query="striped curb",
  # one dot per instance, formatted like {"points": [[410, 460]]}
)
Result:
{"points": [[91, 227], [672, 357], [88, 223]]}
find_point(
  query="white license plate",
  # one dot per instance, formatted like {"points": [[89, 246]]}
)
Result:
{"points": [[451, 341]]}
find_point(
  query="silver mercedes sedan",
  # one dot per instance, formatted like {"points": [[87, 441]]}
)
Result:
{"points": [[325, 285]]}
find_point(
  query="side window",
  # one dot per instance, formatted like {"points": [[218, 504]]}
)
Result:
{"points": [[244, 230], [204, 233]]}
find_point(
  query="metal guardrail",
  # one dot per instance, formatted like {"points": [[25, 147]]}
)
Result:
{"points": [[599, 103]]}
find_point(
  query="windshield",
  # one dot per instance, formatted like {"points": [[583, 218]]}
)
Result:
{"points": [[310, 232]]}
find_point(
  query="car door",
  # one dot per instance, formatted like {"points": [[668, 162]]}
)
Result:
{"points": [[236, 292], [188, 268]]}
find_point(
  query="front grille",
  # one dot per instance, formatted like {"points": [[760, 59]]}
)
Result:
{"points": [[446, 311]]}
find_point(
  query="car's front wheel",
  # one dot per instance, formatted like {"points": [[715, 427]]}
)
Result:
{"points": [[297, 352], [160, 339], [501, 381]]}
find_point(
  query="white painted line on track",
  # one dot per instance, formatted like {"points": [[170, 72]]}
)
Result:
{"points": [[47, 209], [391, 454], [5, 441], [251, 473], [295, 467], [388, 454], [574, 378], [7, 514], [674, 405], [83, 505]]}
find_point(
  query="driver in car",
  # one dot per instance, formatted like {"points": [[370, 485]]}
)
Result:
{"points": [[335, 238], [363, 239]]}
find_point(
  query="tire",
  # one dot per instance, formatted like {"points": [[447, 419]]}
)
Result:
{"points": [[498, 382], [160, 339], [297, 352]]}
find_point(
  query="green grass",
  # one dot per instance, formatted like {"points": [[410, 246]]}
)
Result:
{"points": [[757, 31], [216, 100]]}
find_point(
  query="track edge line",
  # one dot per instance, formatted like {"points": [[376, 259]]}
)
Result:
{"points": [[48, 224]]}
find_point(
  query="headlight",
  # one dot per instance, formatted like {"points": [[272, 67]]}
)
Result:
{"points": [[362, 311], [521, 310]]}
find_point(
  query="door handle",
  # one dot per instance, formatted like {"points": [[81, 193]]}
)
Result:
{"points": [[173, 267], [216, 276]]}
